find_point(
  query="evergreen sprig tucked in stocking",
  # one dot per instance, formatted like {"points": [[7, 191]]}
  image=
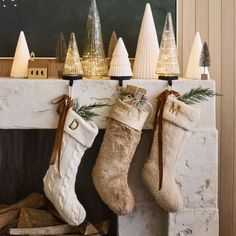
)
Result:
{"points": [[74, 135], [110, 173], [173, 119]]}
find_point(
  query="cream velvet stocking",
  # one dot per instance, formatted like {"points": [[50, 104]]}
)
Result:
{"points": [[59, 186], [110, 173], [178, 118]]}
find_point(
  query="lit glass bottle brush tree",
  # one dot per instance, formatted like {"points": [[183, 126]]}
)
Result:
{"points": [[72, 69], [168, 65], [94, 60]]}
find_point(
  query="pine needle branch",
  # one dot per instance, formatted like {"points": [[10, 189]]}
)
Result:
{"points": [[86, 111], [197, 95]]}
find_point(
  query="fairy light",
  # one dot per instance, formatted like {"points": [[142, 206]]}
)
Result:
{"points": [[9, 3], [94, 60], [168, 60]]}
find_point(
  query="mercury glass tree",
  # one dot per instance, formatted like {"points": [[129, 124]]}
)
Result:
{"points": [[72, 68], [61, 50], [94, 60], [168, 65]]}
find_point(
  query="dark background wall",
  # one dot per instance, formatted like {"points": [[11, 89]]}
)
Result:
{"points": [[42, 20]]}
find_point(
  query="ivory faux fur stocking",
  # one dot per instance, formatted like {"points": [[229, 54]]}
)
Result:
{"points": [[178, 118], [59, 186], [110, 173]]}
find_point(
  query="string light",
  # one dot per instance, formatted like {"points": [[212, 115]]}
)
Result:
{"points": [[9, 3]]}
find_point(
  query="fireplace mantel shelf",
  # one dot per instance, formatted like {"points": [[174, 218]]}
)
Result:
{"points": [[26, 104]]}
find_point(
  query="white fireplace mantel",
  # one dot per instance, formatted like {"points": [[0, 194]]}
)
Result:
{"points": [[26, 104]]}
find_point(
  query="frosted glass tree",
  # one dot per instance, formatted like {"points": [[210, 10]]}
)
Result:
{"points": [[194, 70], [147, 49], [120, 68], [20, 63], [73, 67], [168, 65], [94, 60]]}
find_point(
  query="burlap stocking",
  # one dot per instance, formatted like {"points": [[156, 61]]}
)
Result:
{"points": [[110, 172], [178, 118], [59, 181]]}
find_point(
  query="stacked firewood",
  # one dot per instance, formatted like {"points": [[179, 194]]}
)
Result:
{"points": [[30, 217]]}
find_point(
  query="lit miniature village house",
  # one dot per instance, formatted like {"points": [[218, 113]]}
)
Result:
{"points": [[37, 69]]}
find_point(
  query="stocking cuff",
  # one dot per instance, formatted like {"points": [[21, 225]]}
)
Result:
{"points": [[129, 115], [180, 114], [84, 132]]}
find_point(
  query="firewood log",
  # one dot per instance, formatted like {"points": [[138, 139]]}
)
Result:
{"points": [[2, 206], [87, 228], [103, 227], [32, 218], [10, 214]]}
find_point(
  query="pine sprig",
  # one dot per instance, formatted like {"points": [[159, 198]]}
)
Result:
{"points": [[197, 95], [86, 111]]}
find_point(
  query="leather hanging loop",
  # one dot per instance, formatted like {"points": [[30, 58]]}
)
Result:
{"points": [[158, 124], [64, 104]]}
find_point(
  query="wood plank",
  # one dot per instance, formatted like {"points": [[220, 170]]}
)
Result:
{"points": [[234, 187], [227, 128], [189, 29], [51, 230], [202, 19], [180, 34]]}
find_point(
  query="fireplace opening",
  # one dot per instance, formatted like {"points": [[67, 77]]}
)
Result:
{"points": [[24, 159]]}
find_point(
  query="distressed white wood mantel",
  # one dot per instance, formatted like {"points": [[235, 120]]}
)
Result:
{"points": [[26, 104]]}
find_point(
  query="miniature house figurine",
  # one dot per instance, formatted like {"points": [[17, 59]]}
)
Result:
{"points": [[37, 69]]}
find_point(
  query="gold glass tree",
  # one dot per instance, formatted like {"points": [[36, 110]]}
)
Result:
{"points": [[168, 65], [72, 68], [94, 60]]}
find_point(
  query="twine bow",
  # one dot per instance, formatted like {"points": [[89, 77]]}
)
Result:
{"points": [[64, 104], [139, 103], [158, 124]]}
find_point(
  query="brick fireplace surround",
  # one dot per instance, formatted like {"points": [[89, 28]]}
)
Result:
{"points": [[197, 167]]}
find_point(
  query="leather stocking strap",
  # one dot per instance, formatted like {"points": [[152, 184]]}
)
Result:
{"points": [[158, 124], [65, 103]]}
